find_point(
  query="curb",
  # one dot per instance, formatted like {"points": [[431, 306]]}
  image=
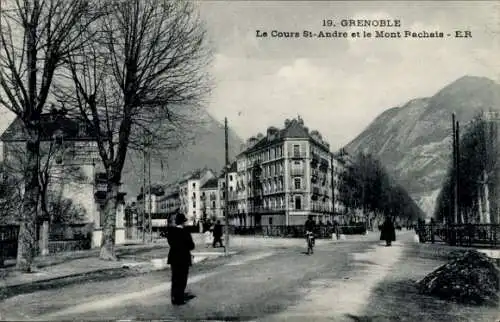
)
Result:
{"points": [[40, 282], [125, 266]]}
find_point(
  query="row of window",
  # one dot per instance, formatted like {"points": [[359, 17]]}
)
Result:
{"points": [[269, 154]]}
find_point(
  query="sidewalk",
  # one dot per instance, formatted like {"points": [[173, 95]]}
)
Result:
{"points": [[132, 259]]}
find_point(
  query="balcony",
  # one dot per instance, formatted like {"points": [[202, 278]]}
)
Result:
{"points": [[321, 208], [297, 171], [297, 155], [314, 160], [266, 210], [298, 189], [101, 186]]}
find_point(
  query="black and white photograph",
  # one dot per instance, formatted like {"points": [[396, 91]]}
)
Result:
{"points": [[244, 160]]}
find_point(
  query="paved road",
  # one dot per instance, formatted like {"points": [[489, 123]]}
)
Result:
{"points": [[273, 283]]}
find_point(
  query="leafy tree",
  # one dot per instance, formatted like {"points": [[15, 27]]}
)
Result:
{"points": [[369, 187]]}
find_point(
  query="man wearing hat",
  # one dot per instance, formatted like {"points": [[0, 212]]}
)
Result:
{"points": [[179, 257]]}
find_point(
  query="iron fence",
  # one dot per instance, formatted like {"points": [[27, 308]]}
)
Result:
{"points": [[468, 235], [296, 231], [62, 237]]}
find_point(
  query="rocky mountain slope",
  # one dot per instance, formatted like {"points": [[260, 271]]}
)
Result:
{"points": [[414, 141]]}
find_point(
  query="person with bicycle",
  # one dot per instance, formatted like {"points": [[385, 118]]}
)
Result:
{"points": [[310, 225]]}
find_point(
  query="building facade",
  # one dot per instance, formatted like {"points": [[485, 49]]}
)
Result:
{"points": [[190, 194], [285, 176], [210, 200], [235, 218], [69, 155]]}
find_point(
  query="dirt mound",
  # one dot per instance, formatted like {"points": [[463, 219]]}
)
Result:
{"points": [[471, 277]]}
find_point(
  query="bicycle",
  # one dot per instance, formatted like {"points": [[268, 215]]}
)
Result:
{"points": [[310, 242]]}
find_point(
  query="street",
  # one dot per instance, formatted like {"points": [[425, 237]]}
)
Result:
{"points": [[270, 283]]}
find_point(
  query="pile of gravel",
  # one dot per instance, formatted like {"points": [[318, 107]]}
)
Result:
{"points": [[471, 277]]}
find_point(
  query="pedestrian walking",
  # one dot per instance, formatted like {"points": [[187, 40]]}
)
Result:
{"points": [[209, 237], [388, 232], [179, 257], [217, 234]]}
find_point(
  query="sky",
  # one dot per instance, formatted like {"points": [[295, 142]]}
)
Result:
{"points": [[338, 86]]}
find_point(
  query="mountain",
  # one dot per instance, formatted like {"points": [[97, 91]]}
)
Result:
{"points": [[205, 151], [414, 141]]}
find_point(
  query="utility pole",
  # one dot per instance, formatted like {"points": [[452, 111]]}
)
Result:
{"points": [[150, 219], [457, 140], [226, 190], [332, 177], [455, 186], [144, 190]]}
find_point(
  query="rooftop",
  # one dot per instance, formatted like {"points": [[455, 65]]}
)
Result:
{"points": [[233, 167], [293, 129], [194, 175], [55, 122], [211, 183]]}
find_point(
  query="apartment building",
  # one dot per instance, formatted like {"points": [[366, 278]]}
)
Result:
{"points": [[285, 176], [232, 179], [210, 200], [190, 194], [167, 206]]}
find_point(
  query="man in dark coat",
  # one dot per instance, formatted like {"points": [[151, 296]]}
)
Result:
{"points": [[179, 257], [218, 234], [388, 232]]}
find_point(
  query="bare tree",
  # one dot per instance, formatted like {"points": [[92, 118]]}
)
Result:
{"points": [[35, 37], [138, 85], [53, 174]]}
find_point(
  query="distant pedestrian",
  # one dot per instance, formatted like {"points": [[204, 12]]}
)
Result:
{"points": [[179, 257], [388, 232], [217, 234], [209, 237]]}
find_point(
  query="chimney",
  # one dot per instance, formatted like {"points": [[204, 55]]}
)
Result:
{"points": [[251, 141], [287, 122], [271, 133], [300, 120]]}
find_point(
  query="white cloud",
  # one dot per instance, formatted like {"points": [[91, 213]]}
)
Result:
{"points": [[340, 86]]}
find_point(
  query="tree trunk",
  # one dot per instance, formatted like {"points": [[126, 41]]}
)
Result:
{"points": [[109, 227], [27, 231]]}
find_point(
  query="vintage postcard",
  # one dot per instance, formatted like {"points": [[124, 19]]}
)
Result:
{"points": [[253, 161]]}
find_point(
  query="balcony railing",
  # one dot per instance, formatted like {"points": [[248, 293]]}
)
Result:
{"points": [[101, 187], [297, 155], [262, 209], [297, 171], [321, 208]]}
